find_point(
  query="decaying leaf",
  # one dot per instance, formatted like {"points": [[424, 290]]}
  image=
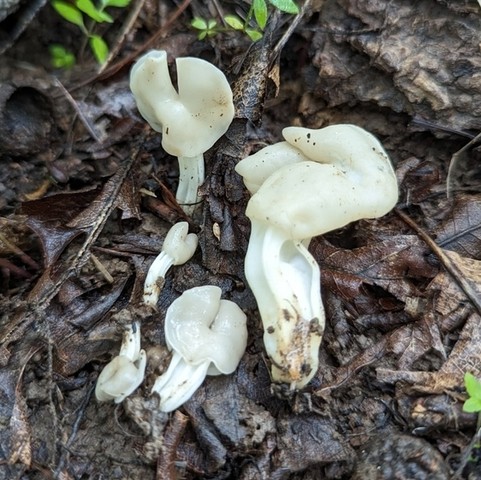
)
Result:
{"points": [[388, 264], [466, 353], [461, 231], [382, 53], [304, 442], [394, 455]]}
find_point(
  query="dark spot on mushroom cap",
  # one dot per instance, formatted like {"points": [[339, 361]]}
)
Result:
{"points": [[271, 329]]}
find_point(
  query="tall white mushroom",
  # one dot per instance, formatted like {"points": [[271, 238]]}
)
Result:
{"points": [[340, 174], [207, 336], [190, 120]]}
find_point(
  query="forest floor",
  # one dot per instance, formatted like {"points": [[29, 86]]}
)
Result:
{"points": [[87, 198]]}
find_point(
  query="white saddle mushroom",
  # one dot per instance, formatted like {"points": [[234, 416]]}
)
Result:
{"points": [[207, 335], [125, 372], [340, 174], [191, 120]]}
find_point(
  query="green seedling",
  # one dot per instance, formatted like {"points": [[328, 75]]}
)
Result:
{"points": [[473, 387], [253, 24], [207, 28], [60, 57], [77, 13]]}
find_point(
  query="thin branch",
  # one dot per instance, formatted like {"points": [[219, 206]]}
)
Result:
{"points": [[168, 454]]}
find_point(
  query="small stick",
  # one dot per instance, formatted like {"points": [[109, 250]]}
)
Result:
{"points": [[166, 461], [126, 27]]}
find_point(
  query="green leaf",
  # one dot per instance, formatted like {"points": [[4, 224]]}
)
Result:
{"points": [[60, 57], [254, 35], [88, 7], [260, 12], [472, 405], [99, 48], [287, 6], [234, 22], [211, 24], [115, 3], [199, 23], [69, 13], [473, 385]]}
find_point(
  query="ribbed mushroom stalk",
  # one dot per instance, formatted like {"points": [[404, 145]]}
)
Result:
{"points": [[191, 120], [340, 174]]}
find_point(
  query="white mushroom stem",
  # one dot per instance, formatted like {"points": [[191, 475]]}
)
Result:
{"points": [[191, 177], [178, 248], [285, 279], [125, 372], [179, 382]]}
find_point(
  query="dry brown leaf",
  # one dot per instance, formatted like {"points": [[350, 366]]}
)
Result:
{"points": [[461, 231], [299, 441], [421, 68], [389, 264]]}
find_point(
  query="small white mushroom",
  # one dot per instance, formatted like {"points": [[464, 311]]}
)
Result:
{"points": [[207, 336], [341, 174], [125, 372], [191, 120], [178, 248]]}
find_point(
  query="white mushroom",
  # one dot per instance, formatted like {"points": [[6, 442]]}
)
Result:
{"points": [[178, 247], [125, 372], [207, 335], [342, 174], [191, 120]]}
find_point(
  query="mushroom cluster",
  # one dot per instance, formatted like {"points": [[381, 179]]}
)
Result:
{"points": [[314, 182], [207, 335], [191, 119]]}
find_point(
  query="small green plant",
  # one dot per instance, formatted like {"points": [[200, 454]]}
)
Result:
{"points": [[60, 57], [473, 387], [207, 28], [253, 24], [74, 13]]}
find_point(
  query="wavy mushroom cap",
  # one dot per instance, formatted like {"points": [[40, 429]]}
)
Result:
{"points": [[347, 176], [201, 327], [192, 119]]}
